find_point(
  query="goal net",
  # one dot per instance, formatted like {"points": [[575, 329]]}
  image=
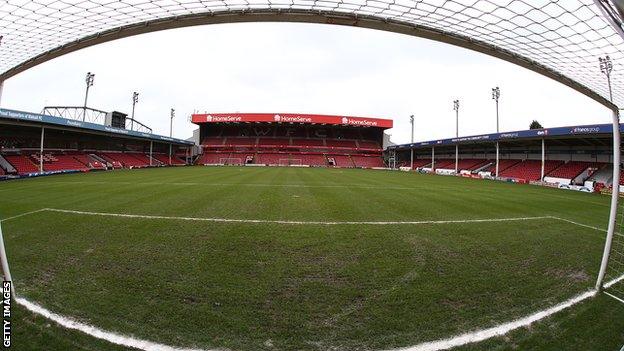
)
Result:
{"points": [[614, 279], [284, 162], [231, 161]]}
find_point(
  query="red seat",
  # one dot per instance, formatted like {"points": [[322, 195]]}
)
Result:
{"points": [[164, 158], [502, 165], [367, 161], [342, 160], [124, 159], [22, 164], [572, 169], [530, 170]]}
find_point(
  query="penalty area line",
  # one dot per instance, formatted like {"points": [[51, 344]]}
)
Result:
{"points": [[269, 221]]}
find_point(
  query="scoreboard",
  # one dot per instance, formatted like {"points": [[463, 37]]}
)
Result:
{"points": [[116, 119]]}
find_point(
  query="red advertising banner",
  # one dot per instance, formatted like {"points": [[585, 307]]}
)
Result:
{"points": [[290, 118]]}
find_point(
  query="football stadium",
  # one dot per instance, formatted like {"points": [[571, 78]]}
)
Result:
{"points": [[281, 230]]}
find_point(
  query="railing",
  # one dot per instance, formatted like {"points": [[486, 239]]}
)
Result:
{"points": [[87, 114], [84, 114], [138, 126]]}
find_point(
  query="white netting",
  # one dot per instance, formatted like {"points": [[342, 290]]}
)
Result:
{"points": [[615, 270], [564, 36]]}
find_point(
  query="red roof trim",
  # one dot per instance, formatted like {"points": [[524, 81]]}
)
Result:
{"points": [[291, 118]]}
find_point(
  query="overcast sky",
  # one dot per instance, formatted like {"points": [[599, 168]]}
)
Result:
{"points": [[302, 68]]}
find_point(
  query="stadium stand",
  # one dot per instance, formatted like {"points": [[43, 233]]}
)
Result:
{"points": [[250, 142], [59, 162], [210, 158], [6, 166], [311, 159], [164, 159], [365, 144], [346, 144], [502, 165], [446, 164], [530, 170], [235, 158], [75, 147], [270, 142], [308, 142], [23, 164], [603, 175], [87, 160], [127, 160], [213, 141], [572, 169], [367, 161], [273, 158], [420, 163], [342, 161], [470, 164], [142, 158]]}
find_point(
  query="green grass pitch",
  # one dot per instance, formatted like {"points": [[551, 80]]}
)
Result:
{"points": [[298, 286]]}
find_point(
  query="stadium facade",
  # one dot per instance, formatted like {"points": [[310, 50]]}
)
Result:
{"points": [[305, 140], [578, 157], [33, 144]]}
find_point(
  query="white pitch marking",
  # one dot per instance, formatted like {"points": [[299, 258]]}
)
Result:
{"points": [[613, 296], [262, 185], [437, 345], [502, 329], [579, 224], [484, 334], [265, 221], [613, 282], [23, 214], [97, 332]]}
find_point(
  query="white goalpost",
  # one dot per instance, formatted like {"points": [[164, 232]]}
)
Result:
{"points": [[5, 264], [283, 162], [614, 198]]}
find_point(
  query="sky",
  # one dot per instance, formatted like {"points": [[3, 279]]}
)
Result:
{"points": [[302, 68]]}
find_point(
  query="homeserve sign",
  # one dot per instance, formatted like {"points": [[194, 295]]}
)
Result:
{"points": [[295, 119], [210, 118], [359, 122]]}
